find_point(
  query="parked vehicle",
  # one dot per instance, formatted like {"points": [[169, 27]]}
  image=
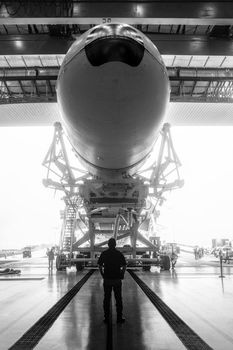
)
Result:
{"points": [[227, 252], [27, 252], [216, 251]]}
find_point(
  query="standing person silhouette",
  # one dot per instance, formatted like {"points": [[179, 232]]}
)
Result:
{"points": [[112, 267], [50, 254]]}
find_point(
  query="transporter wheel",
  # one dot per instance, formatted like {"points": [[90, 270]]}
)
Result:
{"points": [[79, 266], [58, 263], [147, 264], [165, 262], [146, 268]]}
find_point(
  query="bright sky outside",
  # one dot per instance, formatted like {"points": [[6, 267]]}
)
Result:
{"points": [[200, 211], [29, 213]]}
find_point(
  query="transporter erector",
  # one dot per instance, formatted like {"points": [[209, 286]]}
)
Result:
{"points": [[112, 91]]}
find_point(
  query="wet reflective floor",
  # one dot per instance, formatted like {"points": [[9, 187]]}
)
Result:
{"points": [[193, 291]]}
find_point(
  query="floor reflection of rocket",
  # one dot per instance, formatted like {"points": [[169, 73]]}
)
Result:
{"points": [[113, 90]]}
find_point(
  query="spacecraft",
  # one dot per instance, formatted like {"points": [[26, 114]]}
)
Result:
{"points": [[113, 91]]}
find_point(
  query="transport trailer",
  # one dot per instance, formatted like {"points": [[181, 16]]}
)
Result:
{"points": [[163, 261], [124, 207], [27, 252], [82, 260]]}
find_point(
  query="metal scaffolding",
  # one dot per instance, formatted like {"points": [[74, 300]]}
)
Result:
{"points": [[37, 84], [96, 209]]}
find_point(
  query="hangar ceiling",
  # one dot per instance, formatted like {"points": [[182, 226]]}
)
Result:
{"points": [[195, 39]]}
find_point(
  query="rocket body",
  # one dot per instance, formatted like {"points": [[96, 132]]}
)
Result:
{"points": [[113, 91]]}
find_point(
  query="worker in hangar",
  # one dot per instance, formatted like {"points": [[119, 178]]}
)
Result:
{"points": [[112, 267]]}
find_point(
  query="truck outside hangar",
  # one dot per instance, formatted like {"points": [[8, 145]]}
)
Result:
{"points": [[112, 76]]}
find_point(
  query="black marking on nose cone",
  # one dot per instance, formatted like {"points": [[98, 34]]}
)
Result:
{"points": [[114, 49], [30, 339], [189, 338]]}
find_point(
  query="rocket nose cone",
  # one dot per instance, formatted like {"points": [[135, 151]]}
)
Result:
{"points": [[114, 49]]}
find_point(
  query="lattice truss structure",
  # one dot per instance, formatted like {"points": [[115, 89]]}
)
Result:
{"points": [[28, 78], [97, 208]]}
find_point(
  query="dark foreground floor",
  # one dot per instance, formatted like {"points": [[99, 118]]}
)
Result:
{"points": [[193, 292]]}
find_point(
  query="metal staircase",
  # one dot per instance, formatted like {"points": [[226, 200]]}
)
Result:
{"points": [[67, 234]]}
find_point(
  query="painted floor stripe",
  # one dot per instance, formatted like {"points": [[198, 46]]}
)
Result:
{"points": [[188, 337], [32, 337], [22, 279]]}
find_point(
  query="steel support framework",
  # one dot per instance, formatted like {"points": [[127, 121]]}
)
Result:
{"points": [[21, 85], [101, 209]]}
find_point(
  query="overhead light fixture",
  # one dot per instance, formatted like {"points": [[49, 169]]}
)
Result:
{"points": [[19, 44], [139, 10]]}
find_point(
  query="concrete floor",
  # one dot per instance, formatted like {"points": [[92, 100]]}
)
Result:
{"points": [[193, 291]]}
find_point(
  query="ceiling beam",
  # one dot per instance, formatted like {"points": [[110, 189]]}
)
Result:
{"points": [[167, 44], [182, 74], [30, 78], [131, 11], [171, 78], [34, 44], [187, 84]]}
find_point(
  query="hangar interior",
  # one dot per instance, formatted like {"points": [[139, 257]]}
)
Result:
{"points": [[195, 41]]}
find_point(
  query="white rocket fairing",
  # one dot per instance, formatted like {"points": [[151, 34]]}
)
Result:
{"points": [[113, 90]]}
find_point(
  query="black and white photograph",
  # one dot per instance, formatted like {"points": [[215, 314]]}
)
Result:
{"points": [[116, 180]]}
